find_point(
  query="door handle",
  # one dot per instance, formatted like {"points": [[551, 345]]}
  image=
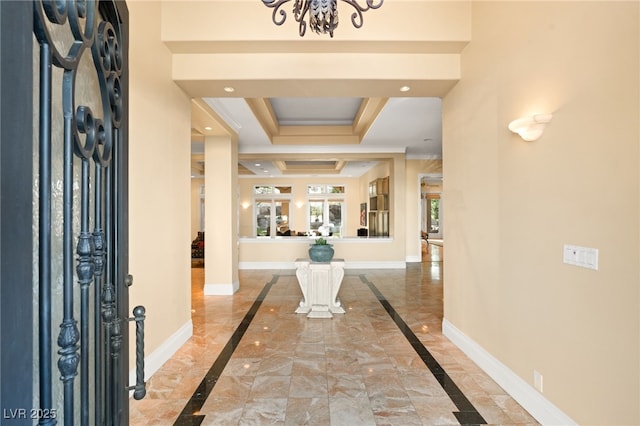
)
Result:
{"points": [[139, 389]]}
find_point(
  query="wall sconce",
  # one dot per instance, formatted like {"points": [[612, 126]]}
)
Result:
{"points": [[530, 128], [299, 204], [245, 204]]}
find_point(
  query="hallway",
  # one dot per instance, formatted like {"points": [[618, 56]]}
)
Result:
{"points": [[383, 362]]}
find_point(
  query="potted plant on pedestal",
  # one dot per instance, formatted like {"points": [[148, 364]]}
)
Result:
{"points": [[321, 251]]}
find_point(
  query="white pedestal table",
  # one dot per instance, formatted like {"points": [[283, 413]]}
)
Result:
{"points": [[320, 283]]}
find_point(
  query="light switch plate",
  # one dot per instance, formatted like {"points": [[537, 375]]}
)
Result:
{"points": [[585, 257]]}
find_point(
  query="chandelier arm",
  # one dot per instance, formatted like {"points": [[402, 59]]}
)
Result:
{"points": [[356, 17], [300, 10], [370, 4], [276, 5]]}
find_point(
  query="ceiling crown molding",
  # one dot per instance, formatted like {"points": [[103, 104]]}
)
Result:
{"points": [[352, 134]]}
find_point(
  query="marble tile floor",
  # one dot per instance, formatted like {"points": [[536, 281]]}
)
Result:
{"points": [[354, 369]]}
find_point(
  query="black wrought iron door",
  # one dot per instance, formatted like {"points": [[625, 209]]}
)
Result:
{"points": [[80, 211]]}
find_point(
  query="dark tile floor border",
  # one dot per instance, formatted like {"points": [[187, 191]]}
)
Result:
{"points": [[190, 415], [468, 415]]}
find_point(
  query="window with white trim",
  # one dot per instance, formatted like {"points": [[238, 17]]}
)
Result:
{"points": [[326, 209], [272, 210]]}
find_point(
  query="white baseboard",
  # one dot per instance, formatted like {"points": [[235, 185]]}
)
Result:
{"points": [[347, 265], [525, 394], [221, 289], [400, 264], [167, 349], [414, 259]]}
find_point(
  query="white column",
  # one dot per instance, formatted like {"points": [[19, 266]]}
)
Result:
{"points": [[221, 215]]}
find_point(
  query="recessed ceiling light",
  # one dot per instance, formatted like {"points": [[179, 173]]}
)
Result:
{"points": [[208, 128], [258, 164], [405, 88], [229, 89]]}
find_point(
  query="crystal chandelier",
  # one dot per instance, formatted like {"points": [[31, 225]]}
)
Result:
{"points": [[323, 14]]}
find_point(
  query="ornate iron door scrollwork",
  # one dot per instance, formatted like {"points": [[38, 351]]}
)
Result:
{"points": [[83, 98]]}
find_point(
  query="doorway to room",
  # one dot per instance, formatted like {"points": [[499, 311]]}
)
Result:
{"points": [[430, 212]]}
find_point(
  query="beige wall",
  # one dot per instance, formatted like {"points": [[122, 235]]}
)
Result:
{"points": [[402, 20], [159, 191], [281, 253], [512, 205]]}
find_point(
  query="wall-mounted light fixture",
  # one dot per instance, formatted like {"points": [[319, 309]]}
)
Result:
{"points": [[323, 14], [245, 204], [530, 128], [299, 204]]}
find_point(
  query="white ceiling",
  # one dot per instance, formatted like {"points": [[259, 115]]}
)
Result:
{"points": [[411, 125], [316, 111]]}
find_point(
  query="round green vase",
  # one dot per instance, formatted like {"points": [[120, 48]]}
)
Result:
{"points": [[321, 252]]}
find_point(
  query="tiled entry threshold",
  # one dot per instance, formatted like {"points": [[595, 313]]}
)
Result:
{"points": [[328, 376]]}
